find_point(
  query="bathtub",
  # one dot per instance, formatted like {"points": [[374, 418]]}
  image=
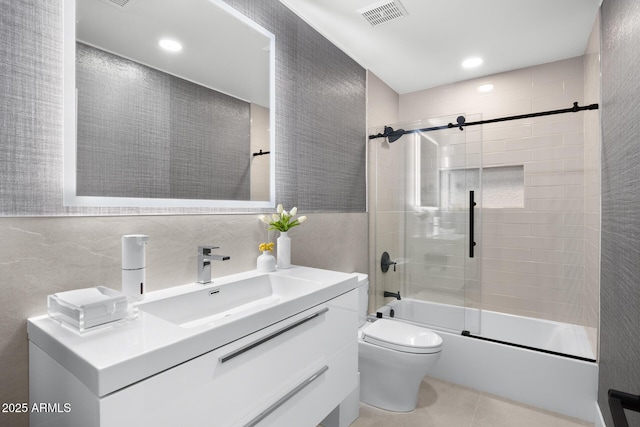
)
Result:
{"points": [[546, 380]]}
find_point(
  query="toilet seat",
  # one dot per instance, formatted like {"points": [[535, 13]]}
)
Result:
{"points": [[402, 336]]}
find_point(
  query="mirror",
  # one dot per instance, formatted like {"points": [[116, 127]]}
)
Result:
{"points": [[148, 127]]}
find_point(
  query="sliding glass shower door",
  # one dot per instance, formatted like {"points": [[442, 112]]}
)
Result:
{"points": [[425, 185], [445, 212]]}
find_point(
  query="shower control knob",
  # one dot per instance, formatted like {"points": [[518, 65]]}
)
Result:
{"points": [[385, 262]]}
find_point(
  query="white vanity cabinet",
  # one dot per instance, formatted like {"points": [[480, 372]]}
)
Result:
{"points": [[234, 384], [290, 373]]}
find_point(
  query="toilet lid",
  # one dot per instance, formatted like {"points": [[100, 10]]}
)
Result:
{"points": [[402, 336]]}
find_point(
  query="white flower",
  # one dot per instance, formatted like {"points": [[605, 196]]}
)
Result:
{"points": [[283, 220], [264, 219]]}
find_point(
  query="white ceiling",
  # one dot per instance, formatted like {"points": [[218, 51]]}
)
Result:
{"points": [[426, 48]]}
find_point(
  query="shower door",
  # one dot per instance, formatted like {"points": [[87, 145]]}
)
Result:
{"points": [[423, 188]]}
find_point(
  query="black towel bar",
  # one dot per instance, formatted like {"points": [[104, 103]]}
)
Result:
{"points": [[618, 402]]}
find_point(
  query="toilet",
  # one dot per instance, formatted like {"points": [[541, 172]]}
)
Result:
{"points": [[393, 358]]}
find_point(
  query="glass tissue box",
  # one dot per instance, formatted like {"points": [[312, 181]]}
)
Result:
{"points": [[84, 309]]}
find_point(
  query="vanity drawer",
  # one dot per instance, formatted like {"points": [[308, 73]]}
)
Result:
{"points": [[219, 387], [315, 395]]}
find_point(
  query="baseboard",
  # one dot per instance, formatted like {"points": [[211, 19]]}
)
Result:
{"points": [[599, 419]]}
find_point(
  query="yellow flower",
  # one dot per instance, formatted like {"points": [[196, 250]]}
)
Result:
{"points": [[266, 247]]}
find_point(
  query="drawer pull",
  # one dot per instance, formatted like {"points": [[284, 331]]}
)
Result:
{"points": [[286, 397], [271, 336]]}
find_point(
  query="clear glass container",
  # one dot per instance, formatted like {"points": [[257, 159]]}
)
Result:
{"points": [[84, 309]]}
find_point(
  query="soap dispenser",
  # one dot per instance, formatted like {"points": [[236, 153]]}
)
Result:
{"points": [[134, 263]]}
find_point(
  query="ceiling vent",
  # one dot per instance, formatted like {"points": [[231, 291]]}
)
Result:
{"points": [[383, 12], [119, 3]]}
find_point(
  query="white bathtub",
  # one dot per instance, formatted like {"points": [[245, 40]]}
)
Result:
{"points": [[556, 383]]}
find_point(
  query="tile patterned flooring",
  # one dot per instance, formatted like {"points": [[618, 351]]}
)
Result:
{"points": [[442, 404]]}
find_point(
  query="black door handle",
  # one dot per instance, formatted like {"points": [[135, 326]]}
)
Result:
{"points": [[472, 242]]}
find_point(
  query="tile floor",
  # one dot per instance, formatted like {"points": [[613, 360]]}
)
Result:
{"points": [[442, 404]]}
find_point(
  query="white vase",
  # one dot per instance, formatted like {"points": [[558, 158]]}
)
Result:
{"points": [[284, 250], [266, 262]]}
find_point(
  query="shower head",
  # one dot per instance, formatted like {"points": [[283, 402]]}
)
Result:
{"points": [[392, 135]]}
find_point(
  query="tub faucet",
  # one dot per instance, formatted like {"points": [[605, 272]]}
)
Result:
{"points": [[204, 262], [395, 295]]}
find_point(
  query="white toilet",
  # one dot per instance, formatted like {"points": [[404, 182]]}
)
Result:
{"points": [[393, 358]]}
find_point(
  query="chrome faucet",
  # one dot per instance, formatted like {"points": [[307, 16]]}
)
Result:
{"points": [[204, 262]]}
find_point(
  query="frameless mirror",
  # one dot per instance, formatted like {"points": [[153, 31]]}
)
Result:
{"points": [[167, 103]]}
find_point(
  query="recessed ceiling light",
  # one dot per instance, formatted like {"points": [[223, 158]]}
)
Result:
{"points": [[485, 87], [170, 45], [472, 62]]}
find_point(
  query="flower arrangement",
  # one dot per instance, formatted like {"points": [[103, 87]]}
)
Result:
{"points": [[266, 262], [266, 247], [283, 220]]}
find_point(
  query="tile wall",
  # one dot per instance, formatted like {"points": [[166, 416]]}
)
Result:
{"points": [[382, 108], [592, 182], [389, 223]]}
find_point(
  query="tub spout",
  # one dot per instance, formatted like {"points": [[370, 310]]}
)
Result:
{"points": [[395, 295]]}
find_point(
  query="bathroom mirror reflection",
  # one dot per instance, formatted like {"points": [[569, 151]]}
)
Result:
{"points": [[187, 126], [427, 171]]}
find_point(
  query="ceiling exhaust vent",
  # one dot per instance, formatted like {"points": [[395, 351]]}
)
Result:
{"points": [[120, 3], [383, 12]]}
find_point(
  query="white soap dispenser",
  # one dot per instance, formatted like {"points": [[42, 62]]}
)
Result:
{"points": [[134, 263]]}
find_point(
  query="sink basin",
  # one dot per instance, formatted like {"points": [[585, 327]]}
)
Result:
{"points": [[225, 302], [183, 322]]}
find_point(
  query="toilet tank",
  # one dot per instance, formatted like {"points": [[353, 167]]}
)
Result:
{"points": [[363, 297]]}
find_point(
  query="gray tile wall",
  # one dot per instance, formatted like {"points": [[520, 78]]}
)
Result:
{"points": [[620, 274], [320, 115], [31, 106], [155, 135]]}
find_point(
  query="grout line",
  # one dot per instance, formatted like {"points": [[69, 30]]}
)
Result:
{"points": [[475, 411]]}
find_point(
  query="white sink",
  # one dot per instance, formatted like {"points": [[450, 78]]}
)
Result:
{"points": [[184, 322], [226, 302]]}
